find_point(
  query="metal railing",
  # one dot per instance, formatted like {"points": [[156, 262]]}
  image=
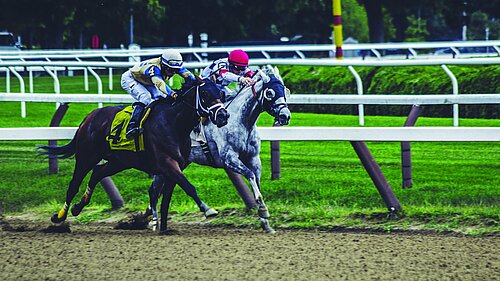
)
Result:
{"points": [[455, 49], [51, 67]]}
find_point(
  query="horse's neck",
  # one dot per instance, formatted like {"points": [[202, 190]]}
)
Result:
{"points": [[245, 107], [185, 119]]}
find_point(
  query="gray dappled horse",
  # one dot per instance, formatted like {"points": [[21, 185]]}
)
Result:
{"points": [[236, 146]]}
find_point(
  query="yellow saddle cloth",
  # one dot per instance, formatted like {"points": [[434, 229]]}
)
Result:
{"points": [[117, 139]]}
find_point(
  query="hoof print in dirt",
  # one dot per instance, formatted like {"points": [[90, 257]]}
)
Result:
{"points": [[57, 228], [138, 222]]}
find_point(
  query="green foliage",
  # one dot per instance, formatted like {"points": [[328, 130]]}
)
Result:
{"points": [[395, 80], [389, 28], [354, 21], [479, 22], [417, 30]]}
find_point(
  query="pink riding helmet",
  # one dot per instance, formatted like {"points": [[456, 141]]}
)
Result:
{"points": [[238, 57]]}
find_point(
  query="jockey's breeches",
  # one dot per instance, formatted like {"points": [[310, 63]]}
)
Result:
{"points": [[140, 92]]}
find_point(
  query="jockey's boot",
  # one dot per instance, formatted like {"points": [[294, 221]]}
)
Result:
{"points": [[133, 129]]}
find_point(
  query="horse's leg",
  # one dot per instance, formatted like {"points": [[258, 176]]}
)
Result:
{"points": [[81, 170], [255, 166], [98, 173], [235, 164], [154, 194], [173, 171], [242, 188], [167, 188]]}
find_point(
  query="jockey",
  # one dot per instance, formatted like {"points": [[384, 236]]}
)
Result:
{"points": [[146, 82], [225, 71]]}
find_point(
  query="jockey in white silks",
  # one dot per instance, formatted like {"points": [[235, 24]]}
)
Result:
{"points": [[146, 82], [225, 71]]}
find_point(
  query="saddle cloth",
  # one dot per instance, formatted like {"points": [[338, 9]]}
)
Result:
{"points": [[116, 137]]}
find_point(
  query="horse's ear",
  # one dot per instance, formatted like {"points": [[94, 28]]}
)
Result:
{"points": [[276, 72], [264, 76]]}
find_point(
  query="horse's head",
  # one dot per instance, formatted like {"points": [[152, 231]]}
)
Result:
{"points": [[207, 101], [272, 96]]}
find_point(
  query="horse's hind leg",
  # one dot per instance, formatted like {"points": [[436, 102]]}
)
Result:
{"points": [[167, 188], [154, 194], [173, 171], [81, 170], [99, 172]]}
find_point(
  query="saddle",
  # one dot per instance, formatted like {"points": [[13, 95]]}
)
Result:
{"points": [[116, 137]]}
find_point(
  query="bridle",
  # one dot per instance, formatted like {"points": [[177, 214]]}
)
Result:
{"points": [[200, 109], [268, 94]]}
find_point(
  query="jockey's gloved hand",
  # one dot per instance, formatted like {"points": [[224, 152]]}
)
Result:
{"points": [[198, 81], [247, 81]]}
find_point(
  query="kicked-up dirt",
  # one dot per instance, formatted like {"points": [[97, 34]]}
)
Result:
{"points": [[37, 251]]}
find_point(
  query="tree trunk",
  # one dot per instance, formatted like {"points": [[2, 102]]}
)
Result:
{"points": [[375, 20]]}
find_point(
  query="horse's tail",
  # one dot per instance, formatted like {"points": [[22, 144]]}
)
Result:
{"points": [[64, 151]]}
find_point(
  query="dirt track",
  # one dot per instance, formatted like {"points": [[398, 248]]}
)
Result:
{"points": [[201, 252]]}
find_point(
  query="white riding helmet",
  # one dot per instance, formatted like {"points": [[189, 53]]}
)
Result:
{"points": [[172, 58]]}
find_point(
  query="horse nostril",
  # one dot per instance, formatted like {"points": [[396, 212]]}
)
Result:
{"points": [[284, 119]]}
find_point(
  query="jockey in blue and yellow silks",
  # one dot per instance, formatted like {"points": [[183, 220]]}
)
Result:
{"points": [[146, 82]]}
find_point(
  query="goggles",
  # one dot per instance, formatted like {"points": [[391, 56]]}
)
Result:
{"points": [[237, 67], [172, 63]]}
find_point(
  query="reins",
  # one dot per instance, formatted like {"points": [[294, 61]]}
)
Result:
{"points": [[198, 106], [241, 89]]}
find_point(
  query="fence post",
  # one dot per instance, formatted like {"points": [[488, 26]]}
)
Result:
{"points": [[275, 158], [56, 120], [376, 175], [113, 194], [406, 147], [242, 188]]}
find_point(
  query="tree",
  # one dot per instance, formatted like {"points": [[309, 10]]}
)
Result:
{"points": [[354, 21], [417, 30], [375, 20]]}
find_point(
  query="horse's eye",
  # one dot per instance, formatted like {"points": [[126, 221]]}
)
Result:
{"points": [[269, 94]]}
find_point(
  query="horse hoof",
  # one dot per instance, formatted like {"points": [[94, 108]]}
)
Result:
{"points": [[154, 225], [270, 230], [76, 209], [211, 213], [266, 227], [263, 213], [55, 218]]}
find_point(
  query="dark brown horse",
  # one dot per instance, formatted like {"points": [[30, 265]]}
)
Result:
{"points": [[166, 140]]}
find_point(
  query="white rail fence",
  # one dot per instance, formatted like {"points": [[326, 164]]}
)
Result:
{"points": [[52, 67], [293, 133], [385, 134], [297, 51]]}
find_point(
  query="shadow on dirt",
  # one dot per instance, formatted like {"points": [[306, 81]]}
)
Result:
{"points": [[57, 228], [134, 222]]}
